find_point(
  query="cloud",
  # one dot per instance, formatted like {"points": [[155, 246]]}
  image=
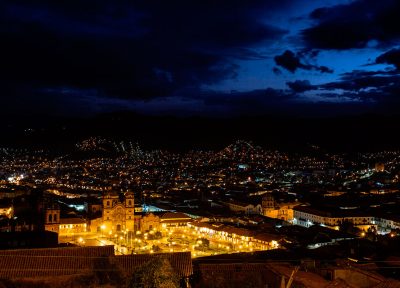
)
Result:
{"points": [[289, 61], [379, 87], [276, 71], [132, 50], [390, 57], [356, 82], [300, 86], [292, 62], [358, 24]]}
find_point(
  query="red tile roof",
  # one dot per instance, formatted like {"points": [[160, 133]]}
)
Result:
{"points": [[91, 251], [77, 260], [72, 220], [180, 261], [175, 215], [266, 237]]}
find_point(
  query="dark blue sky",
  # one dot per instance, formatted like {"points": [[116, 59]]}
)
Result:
{"points": [[210, 58]]}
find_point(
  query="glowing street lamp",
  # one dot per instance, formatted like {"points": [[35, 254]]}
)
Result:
{"points": [[102, 228]]}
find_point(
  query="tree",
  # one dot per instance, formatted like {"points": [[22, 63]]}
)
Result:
{"points": [[156, 248], [105, 272], [155, 236], [348, 227], [203, 242], [157, 272]]}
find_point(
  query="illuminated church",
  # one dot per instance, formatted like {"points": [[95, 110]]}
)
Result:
{"points": [[118, 212], [278, 210]]}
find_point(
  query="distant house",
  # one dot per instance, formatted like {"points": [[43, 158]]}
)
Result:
{"points": [[175, 219], [265, 241], [148, 222], [387, 222], [307, 216], [6, 209], [245, 208], [73, 225], [235, 235]]}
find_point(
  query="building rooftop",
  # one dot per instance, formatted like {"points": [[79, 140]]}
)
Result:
{"points": [[72, 220], [181, 262], [175, 216], [329, 212], [78, 260]]}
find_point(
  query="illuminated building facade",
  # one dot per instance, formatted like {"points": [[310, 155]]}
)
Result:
{"points": [[149, 222], [379, 167], [273, 209], [307, 216], [71, 226], [7, 210], [52, 217], [118, 212]]}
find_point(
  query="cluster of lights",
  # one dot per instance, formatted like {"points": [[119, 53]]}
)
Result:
{"points": [[15, 179]]}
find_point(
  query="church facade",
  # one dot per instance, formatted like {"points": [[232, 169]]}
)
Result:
{"points": [[118, 212], [278, 210]]}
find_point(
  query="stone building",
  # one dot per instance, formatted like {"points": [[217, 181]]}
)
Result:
{"points": [[148, 222], [118, 212], [72, 225], [51, 217], [278, 210]]}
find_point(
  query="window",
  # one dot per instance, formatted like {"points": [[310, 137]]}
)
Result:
{"points": [[55, 217], [50, 218], [129, 202], [108, 203]]}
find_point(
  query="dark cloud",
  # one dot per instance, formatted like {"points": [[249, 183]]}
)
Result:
{"points": [[390, 57], [276, 71], [291, 62], [322, 69], [300, 86], [379, 87], [356, 82], [85, 56], [365, 73], [125, 49], [354, 25]]}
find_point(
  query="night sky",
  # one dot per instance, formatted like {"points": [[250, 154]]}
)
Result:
{"points": [[208, 58]]}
